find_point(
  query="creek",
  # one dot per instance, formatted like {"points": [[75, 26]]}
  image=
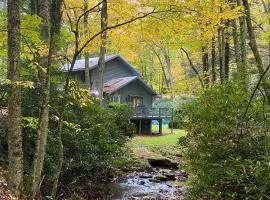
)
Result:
{"points": [[156, 184]]}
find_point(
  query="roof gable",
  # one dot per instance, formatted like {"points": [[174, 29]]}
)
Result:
{"points": [[93, 63], [115, 85]]}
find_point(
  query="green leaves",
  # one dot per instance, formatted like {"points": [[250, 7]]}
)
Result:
{"points": [[30, 122], [228, 154]]}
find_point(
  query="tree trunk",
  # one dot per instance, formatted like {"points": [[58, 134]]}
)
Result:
{"points": [[243, 45], [87, 81], [43, 124], [205, 62], [60, 157], [266, 6], [56, 16], [193, 67], [242, 66], [101, 61], [254, 48], [213, 60], [221, 54], [152, 71], [167, 59], [227, 55], [236, 46], [15, 153], [164, 77]]}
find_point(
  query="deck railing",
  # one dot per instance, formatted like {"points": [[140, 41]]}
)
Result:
{"points": [[144, 112]]}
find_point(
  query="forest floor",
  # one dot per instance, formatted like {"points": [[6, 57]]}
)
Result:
{"points": [[4, 193]]}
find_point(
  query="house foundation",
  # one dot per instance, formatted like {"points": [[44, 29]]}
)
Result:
{"points": [[144, 126]]}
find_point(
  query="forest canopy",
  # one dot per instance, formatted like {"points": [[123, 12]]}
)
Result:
{"points": [[216, 53]]}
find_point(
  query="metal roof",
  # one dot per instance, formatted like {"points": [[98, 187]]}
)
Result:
{"points": [[93, 63], [114, 85]]}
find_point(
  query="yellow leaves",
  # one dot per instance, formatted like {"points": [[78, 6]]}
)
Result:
{"points": [[79, 95], [23, 84], [75, 127], [30, 122]]}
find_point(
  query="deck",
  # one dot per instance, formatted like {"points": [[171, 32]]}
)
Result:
{"points": [[143, 117], [152, 113]]}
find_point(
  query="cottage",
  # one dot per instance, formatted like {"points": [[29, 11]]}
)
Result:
{"points": [[123, 84]]}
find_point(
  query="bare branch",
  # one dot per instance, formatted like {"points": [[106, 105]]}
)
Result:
{"points": [[193, 67], [85, 13], [255, 89], [116, 26]]}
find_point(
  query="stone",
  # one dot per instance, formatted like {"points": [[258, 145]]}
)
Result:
{"points": [[169, 185], [161, 178], [141, 182], [162, 162], [170, 176], [181, 178], [184, 173], [139, 194], [146, 176], [153, 180]]}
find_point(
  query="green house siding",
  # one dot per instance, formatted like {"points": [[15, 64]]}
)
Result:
{"points": [[113, 69], [135, 89]]}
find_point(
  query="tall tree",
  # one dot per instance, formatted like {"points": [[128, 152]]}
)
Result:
{"points": [[205, 62], [56, 17], [221, 45], [254, 48], [15, 153], [43, 123], [226, 53], [240, 45], [237, 53], [166, 55], [86, 53], [213, 59], [101, 62]]}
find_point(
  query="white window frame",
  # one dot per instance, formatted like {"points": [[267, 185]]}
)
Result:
{"points": [[116, 98]]}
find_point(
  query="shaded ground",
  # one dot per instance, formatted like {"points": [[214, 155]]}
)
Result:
{"points": [[4, 193]]}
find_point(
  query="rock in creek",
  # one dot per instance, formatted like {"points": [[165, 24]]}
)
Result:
{"points": [[162, 162], [161, 178], [146, 176], [153, 180], [170, 176], [159, 184]]}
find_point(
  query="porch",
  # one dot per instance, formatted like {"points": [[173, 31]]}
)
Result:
{"points": [[143, 117]]}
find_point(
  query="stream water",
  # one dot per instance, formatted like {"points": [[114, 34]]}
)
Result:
{"points": [[159, 184]]}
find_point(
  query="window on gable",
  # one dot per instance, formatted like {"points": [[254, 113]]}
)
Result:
{"points": [[116, 98], [137, 101]]}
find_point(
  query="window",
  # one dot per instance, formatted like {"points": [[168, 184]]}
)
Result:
{"points": [[116, 98], [137, 101]]}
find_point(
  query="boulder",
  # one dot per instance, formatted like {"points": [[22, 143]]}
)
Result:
{"points": [[146, 176], [161, 178], [141, 182], [153, 180], [162, 162], [170, 176]]}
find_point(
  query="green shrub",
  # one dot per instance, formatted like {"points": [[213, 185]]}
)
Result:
{"points": [[93, 137], [176, 124], [227, 152]]}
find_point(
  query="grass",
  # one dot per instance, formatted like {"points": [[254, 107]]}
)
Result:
{"points": [[162, 141], [166, 129], [165, 145], [141, 148]]}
